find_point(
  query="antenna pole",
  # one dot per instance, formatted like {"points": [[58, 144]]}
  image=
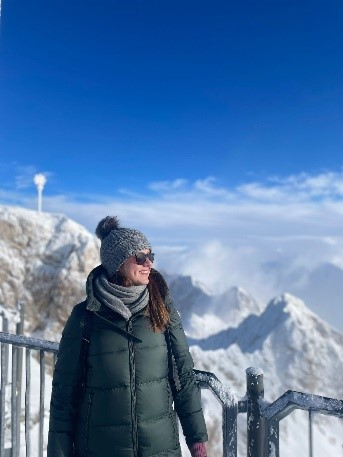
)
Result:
{"points": [[40, 181]]}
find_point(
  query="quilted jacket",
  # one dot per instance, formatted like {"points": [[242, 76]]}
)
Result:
{"points": [[129, 404]]}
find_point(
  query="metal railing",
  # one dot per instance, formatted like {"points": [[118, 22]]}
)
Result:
{"points": [[262, 418], [12, 386]]}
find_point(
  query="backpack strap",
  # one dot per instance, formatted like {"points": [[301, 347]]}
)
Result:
{"points": [[87, 328], [172, 368]]}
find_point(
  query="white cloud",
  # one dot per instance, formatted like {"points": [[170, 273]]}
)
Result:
{"points": [[168, 186], [207, 187], [295, 188], [260, 192]]}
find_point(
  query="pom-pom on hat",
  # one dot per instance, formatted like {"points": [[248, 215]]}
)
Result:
{"points": [[118, 243]]}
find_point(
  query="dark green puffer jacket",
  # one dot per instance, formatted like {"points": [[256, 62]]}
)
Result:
{"points": [[127, 406]]}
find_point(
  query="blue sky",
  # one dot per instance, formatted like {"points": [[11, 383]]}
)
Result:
{"points": [[216, 126], [127, 92]]}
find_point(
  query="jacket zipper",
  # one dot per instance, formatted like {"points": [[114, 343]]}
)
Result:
{"points": [[89, 406], [133, 390], [119, 329]]}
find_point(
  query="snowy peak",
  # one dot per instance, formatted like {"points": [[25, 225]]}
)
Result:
{"points": [[223, 311], [284, 315], [45, 259], [205, 313], [300, 317], [235, 304], [290, 304]]}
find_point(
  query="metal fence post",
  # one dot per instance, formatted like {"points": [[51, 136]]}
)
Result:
{"points": [[19, 380], [271, 438], [310, 432], [255, 422], [4, 383], [7, 349], [4, 349], [230, 413], [15, 419]]}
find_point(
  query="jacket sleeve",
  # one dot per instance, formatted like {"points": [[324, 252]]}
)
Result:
{"points": [[66, 387], [187, 399]]}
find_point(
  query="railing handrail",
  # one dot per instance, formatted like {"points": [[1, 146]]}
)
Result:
{"points": [[208, 380], [293, 399], [29, 342]]}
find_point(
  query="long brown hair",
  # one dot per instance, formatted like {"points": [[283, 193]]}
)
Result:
{"points": [[159, 314], [157, 310]]}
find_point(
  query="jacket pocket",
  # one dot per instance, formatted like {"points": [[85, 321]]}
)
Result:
{"points": [[87, 424]]}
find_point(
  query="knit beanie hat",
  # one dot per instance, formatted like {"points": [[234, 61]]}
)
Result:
{"points": [[118, 243]]}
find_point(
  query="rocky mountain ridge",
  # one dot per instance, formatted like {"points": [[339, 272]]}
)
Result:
{"points": [[45, 259]]}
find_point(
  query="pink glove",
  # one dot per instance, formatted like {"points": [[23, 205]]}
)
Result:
{"points": [[198, 450]]}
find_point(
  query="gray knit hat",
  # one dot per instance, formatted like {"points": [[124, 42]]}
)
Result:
{"points": [[118, 243]]}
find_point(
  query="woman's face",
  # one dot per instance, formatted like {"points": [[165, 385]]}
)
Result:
{"points": [[137, 275]]}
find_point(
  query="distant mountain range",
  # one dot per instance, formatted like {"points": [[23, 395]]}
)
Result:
{"points": [[45, 260]]}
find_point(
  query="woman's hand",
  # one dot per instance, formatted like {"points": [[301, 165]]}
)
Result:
{"points": [[198, 450]]}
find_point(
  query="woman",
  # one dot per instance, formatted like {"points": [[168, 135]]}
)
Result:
{"points": [[123, 362]]}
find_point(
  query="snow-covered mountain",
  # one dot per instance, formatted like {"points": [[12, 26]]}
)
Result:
{"points": [[203, 313], [45, 260], [297, 351]]}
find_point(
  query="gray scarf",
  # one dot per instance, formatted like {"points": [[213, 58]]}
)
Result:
{"points": [[125, 301]]}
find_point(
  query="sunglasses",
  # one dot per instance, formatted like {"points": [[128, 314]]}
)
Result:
{"points": [[141, 257]]}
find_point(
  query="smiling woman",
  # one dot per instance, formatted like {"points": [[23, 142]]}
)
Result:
{"points": [[136, 269], [125, 350]]}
